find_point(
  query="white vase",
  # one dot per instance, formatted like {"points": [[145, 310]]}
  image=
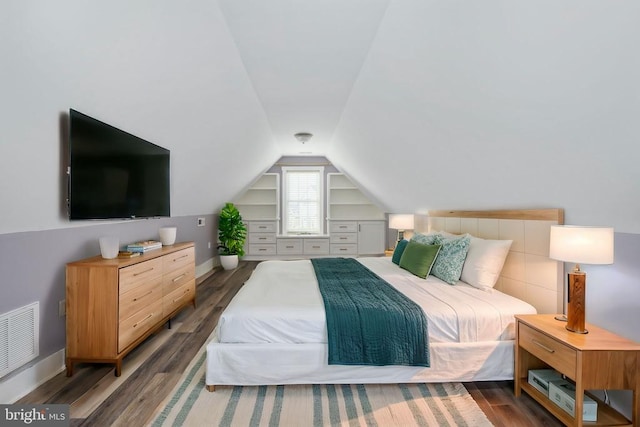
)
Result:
{"points": [[168, 235], [229, 262], [109, 246]]}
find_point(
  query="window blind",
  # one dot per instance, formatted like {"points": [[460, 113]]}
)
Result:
{"points": [[303, 200]]}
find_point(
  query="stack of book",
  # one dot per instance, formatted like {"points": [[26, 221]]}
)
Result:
{"points": [[145, 246]]}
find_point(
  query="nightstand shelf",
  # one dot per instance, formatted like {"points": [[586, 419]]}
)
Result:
{"points": [[599, 360]]}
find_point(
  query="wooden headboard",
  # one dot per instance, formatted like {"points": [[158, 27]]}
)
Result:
{"points": [[528, 273]]}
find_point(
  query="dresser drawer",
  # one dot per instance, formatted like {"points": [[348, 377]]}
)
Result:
{"points": [[178, 259], [289, 246], [139, 298], [137, 274], [344, 238], [177, 278], [135, 326], [316, 246], [552, 352], [262, 227], [262, 238], [262, 249], [343, 227], [178, 297], [346, 249]]}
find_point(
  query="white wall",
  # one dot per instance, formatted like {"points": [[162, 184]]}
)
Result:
{"points": [[162, 70], [500, 104]]}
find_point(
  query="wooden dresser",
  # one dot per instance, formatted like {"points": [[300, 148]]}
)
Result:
{"points": [[114, 304], [599, 360]]}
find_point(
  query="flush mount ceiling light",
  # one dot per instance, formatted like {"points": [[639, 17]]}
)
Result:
{"points": [[303, 136]]}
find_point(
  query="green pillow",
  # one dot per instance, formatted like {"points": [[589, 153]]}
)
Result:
{"points": [[418, 258], [397, 253]]}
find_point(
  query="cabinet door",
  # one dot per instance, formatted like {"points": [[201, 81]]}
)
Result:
{"points": [[371, 237]]}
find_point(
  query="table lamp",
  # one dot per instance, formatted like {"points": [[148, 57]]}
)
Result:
{"points": [[581, 245], [401, 222]]}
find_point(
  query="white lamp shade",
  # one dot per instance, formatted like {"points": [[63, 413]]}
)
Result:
{"points": [[581, 245], [401, 221]]}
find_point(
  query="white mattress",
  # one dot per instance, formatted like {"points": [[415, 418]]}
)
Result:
{"points": [[281, 303]]}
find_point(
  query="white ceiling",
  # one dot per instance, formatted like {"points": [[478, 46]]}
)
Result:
{"points": [[303, 58]]}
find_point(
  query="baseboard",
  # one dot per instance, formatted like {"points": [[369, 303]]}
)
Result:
{"points": [[24, 382], [205, 268]]}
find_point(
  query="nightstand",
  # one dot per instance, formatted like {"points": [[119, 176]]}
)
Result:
{"points": [[599, 360], [388, 252]]}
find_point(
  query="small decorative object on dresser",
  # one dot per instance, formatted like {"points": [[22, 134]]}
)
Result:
{"points": [[109, 246], [168, 235], [599, 360]]}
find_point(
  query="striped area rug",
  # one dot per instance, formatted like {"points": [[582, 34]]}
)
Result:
{"points": [[190, 404]]}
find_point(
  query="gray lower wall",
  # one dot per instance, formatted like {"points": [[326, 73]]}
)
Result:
{"points": [[33, 264]]}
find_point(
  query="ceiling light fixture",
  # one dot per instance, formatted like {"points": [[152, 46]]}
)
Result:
{"points": [[303, 136]]}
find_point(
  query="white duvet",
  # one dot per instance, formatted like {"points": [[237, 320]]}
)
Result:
{"points": [[281, 303]]}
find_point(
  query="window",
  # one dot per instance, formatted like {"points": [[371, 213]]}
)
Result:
{"points": [[302, 187]]}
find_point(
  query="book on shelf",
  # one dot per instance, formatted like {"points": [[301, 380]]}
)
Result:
{"points": [[144, 246]]}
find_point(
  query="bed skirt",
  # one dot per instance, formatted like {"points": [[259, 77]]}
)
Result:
{"points": [[268, 364]]}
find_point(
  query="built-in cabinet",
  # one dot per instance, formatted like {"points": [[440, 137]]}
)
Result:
{"points": [[261, 202], [354, 225], [114, 304]]}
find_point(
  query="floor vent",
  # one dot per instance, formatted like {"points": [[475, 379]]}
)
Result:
{"points": [[18, 337]]}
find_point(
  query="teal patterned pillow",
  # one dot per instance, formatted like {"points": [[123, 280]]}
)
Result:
{"points": [[448, 265], [425, 239]]}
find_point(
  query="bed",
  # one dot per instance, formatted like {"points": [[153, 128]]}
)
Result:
{"points": [[274, 330]]}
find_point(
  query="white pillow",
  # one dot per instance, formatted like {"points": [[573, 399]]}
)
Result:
{"points": [[484, 262]]}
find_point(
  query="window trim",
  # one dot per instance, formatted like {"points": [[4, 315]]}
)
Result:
{"points": [[285, 196]]}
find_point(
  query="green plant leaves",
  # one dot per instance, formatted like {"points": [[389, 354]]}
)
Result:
{"points": [[231, 231]]}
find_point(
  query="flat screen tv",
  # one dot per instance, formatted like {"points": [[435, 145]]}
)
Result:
{"points": [[113, 174]]}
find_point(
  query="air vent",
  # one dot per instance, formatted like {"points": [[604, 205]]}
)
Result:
{"points": [[18, 337]]}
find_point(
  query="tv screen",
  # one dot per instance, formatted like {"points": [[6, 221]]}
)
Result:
{"points": [[114, 174]]}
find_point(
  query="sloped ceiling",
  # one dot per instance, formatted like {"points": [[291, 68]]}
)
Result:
{"points": [[455, 104], [303, 58]]}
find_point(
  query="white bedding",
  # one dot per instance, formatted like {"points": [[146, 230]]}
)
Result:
{"points": [[281, 303]]}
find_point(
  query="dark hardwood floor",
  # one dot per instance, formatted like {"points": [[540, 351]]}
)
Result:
{"points": [[150, 372]]}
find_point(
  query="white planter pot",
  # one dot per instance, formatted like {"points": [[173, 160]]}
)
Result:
{"points": [[229, 262]]}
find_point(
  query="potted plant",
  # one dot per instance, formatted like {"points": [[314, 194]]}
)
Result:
{"points": [[231, 234]]}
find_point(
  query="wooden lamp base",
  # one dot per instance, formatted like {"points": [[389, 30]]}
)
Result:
{"points": [[576, 302]]}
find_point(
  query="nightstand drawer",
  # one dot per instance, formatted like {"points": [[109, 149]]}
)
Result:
{"points": [[552, 352]]}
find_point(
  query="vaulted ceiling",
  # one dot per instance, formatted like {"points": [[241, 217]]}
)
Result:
{"points": [[303, 58]]}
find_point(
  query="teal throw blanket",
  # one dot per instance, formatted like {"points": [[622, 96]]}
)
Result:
{"points": [[369, 322]]}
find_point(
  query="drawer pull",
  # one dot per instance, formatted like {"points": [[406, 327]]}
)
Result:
{"points": [[143, 320], [179, 277], [180, 297], [180, 257], [539, 344], [342, 226], [262, 249], [315, 247], [343, 238], [142, 296], [343, 249], [262, 226], [289, 247], [142, 272], [262, 238]]}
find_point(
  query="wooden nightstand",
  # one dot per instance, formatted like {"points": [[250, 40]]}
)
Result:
{"points": [[388, 252], [599, 360]]}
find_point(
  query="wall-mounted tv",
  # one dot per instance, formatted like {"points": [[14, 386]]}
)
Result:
{"points": [[113, 174]]}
